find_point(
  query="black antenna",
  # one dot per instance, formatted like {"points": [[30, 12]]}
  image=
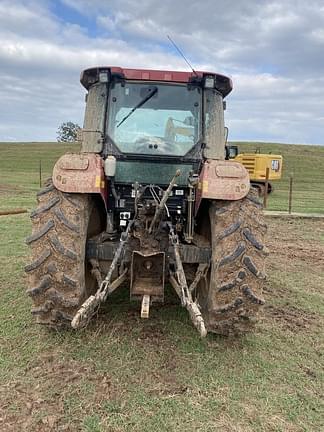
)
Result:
{"points": [[182, 55]]}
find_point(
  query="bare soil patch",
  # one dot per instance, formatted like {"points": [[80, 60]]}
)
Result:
{"points": [[291, 318], [292, 243], [44, 389], [295, 240]]}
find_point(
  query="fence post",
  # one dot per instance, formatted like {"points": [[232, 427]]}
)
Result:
{"points": [[266, 185], [40, 173], [290, 193]]}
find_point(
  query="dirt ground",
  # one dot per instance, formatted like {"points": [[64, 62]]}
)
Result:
{"points": [[292, 248]]}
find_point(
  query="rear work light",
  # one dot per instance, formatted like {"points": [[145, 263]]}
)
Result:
{"points": [[103, 76], [209, 82]]}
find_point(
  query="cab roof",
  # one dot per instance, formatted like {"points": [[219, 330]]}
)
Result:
{"points": [[91, 76]]}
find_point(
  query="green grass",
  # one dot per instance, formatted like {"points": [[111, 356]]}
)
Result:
{"points": [[127, 374], [19, 170]]}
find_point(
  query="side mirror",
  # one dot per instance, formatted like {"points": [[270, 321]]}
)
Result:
{"points": [[231, 152]]}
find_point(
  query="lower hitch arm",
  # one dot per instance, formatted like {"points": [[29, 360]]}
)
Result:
{"points": [[91, 305], [184, 292]]}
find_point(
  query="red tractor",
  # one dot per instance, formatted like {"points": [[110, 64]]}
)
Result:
{"points": [[150, 200]]}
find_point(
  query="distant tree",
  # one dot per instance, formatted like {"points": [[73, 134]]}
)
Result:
{"points": [[67, 132]]}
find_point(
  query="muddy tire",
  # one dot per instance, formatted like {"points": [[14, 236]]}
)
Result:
{"points": [[56, 275], [232, 297]]}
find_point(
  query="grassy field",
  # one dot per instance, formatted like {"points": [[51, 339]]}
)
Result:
{"points": [[126, 374], [19, 170]]}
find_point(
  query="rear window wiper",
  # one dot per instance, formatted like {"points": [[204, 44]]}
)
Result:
{"points": [[152, 92]]}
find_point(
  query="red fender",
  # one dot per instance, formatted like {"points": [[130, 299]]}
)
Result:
{"points": [[80, 173], [222, 180]]}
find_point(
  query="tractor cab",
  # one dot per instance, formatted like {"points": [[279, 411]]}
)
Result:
{"points": [[155, 114]]}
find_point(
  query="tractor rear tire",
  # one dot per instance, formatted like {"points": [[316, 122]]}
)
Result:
{"points": [[233, 292], [57, 274]]}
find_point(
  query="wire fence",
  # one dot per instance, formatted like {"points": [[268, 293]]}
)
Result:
{"points": [[296, 196]]}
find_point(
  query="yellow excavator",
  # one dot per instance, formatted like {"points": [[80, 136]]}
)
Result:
{"points": [[257, 164]]}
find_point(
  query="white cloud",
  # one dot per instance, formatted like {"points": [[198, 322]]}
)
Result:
{"points": [[272, 49]]}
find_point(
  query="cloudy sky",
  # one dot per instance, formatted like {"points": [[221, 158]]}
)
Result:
{"points": [[273, 50]]}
